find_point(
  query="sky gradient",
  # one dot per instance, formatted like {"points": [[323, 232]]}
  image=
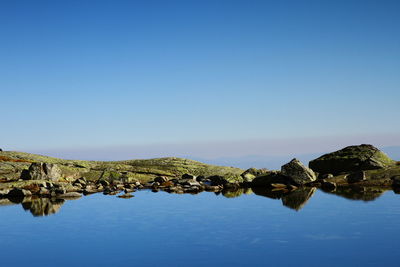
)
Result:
{"points": [[121, 74]]}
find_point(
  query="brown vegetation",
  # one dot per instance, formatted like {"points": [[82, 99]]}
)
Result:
{"points": [[3, 158]]}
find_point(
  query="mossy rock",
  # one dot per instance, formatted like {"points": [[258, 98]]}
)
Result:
{"points": [[350, 159], [249, 174]]}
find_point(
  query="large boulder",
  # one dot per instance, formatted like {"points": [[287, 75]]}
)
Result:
{"points": [[42, 171], [298, 172], [351, 159]]}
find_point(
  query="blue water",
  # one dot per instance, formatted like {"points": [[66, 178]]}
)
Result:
{"points": [[161, 229]]}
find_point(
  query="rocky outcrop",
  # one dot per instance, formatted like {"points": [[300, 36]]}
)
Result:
{"points": [[42, 171], [351, 159], [298, 172]]}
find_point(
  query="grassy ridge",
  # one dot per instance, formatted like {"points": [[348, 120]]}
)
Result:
{"points": [[12, 163]]}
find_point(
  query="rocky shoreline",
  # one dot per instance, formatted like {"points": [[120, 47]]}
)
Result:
{"points": [[31, 176]]}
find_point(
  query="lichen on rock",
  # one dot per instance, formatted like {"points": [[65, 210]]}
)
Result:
{"points": [[350, 159]]}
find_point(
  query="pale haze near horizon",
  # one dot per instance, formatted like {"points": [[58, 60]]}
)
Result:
{"points": [[200, 79]]}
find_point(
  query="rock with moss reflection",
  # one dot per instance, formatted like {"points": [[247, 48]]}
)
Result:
{"points": [[42, 206], [297, 199]]}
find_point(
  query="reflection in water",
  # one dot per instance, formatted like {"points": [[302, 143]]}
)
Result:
{"points": [[43, 206], [292, 199], [37, 206], [236, 193], [360, 192], [295, 199]]}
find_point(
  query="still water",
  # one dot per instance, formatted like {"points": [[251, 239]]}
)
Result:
{"points": [[310, 228]]}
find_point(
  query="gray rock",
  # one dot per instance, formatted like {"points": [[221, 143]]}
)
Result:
{"points": [[42, 171], [298, 172], [356, 177], [192, 183]]}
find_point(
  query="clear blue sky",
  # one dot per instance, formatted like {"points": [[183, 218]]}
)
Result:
{"points": [[113, 73]]}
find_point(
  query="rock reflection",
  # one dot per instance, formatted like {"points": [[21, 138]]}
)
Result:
{"points": [[43, 206], [37, 206], [360, 192], [231, 193], [296, 199]]}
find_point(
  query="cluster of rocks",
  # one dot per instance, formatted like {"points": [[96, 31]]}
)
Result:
{"points": [[44, 189], [348, 166], [188, 183]]}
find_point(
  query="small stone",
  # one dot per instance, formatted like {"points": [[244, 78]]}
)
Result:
{"points": [[70, 195], [192, 183], [188, 176], [160, 179], [278, 185], [129, 190], [104, 182], [325, 176], [44, 191], [126, 196], [200, 178]]}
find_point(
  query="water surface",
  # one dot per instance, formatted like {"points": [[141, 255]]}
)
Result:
{"points": [[310, 228]]}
